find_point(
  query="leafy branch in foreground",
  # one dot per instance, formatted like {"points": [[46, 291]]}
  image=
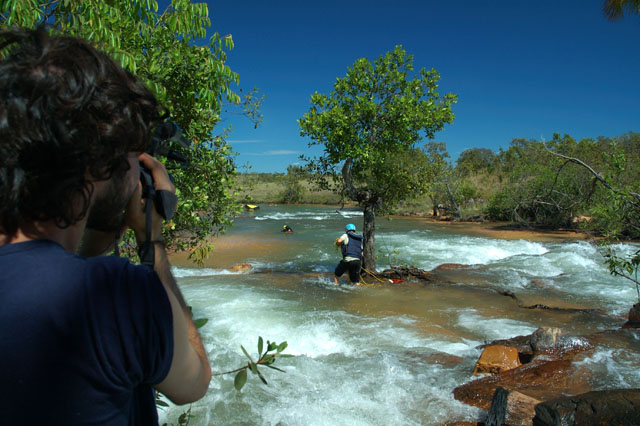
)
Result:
{"points": [[266, 358], [626, 267]]}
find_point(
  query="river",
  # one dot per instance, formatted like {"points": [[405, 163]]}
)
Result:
{"points": [[386, 354]]}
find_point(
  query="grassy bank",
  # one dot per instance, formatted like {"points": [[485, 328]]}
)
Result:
{"points": [[279, 188]]}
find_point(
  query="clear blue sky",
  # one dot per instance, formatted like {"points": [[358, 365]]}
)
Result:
{"points": [[520, 68]]}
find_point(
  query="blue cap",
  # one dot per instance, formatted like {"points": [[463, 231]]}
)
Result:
{"points": [[350, 227]]}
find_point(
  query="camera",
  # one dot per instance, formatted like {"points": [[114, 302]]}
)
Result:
{"points": [[164, 136]]}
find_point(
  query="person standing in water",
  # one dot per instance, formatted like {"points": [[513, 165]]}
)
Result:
{"points": [[351, 245]]}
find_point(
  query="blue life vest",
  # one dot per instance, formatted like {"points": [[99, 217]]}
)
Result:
{"points": [[354, 247]]}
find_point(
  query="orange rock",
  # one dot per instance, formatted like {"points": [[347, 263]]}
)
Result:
{"points": [[241, 267], [539, 379], [496, 359]]}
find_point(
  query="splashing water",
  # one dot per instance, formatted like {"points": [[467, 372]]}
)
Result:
{"points": [[387, 354]]}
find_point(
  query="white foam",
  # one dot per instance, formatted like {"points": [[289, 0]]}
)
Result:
{"points": [[182, 272], [429, 251], [613, 368], [493, 328], [308, 215]]}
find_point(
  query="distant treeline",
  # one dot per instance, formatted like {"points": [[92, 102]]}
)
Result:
{"points": [[564, 183], [560, 183]]}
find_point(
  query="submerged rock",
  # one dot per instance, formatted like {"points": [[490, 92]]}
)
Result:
{"points": [[634, 317], [450, 266], [612, 407], [406, 272], [444, 359], [241, 267]]}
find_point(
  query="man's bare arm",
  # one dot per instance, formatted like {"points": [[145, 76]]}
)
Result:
{"points": [[190, 372]]}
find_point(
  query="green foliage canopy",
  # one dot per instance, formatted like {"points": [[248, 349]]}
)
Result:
{"points": [[552, 183], [473, 160], [191, 80], [367, 124]]}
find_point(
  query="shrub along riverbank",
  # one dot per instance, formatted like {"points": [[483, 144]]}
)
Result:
{"points": [[590, 185]]}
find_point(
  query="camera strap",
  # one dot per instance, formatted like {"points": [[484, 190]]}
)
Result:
{"points": [[165, 203], [146, 250]]}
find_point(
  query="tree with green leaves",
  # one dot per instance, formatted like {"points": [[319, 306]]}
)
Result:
{"points": [[367, 125], [440, 192], [616, 9], [474, 160], [190, 79]]}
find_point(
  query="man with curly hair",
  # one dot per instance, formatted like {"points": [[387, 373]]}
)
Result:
{"points": [[84, 338]]}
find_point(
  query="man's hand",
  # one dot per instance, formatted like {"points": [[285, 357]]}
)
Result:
{"points": [[135, 217]]}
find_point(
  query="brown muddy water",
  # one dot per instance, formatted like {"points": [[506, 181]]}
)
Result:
{"points": [[389, 353]]}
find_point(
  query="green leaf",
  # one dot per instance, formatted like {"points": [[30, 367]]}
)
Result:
{"points": [[161, 403], [275, 368], [253, 367], [200, 322], [262, 378], [260, 343], [246, 353], [240, 379]]}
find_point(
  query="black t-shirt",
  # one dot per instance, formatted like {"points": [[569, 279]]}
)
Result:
{"points": [[81, 340]]}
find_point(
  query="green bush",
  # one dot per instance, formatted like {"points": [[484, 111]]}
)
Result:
{"points": [[501, 206]]}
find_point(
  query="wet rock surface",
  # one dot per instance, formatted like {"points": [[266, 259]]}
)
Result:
{"points": [[444, 359], [544, 339], [511, 408], [547, 342], [449, 267], [243, 267], [634, 317], [540, 379], [547, 370], [521, 343], [496, 359], [612, 407], [406, 273]]}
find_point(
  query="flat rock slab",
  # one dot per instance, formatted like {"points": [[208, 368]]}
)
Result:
{"points": [[540, 379], [612, 407], [406, 273]]}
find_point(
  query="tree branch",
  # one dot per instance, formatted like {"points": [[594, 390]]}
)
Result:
{"points": [[348, 183], [597, 175]]}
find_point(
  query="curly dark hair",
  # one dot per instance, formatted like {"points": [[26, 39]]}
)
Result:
{"points": [[68, 114]]}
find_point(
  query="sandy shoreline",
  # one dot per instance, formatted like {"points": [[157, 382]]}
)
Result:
{"points": [[501, 230]]}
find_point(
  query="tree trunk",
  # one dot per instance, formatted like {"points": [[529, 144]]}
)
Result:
{"points": [[452, 200], [369, 233], [370, 201], [434, 205]]}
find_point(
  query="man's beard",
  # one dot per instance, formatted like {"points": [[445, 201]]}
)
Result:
{"points": [[107, 211]]}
